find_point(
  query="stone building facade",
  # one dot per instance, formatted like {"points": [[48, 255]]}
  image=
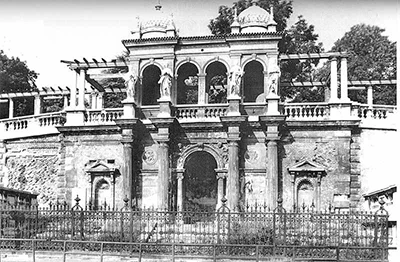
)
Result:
{"points": [[202, 121]]}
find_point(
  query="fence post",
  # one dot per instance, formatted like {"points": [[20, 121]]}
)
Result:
{"points": [[79, 209], [125, 207]]}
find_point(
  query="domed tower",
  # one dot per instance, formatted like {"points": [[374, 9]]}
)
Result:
{"points": [[255, 19], [160, 25]]}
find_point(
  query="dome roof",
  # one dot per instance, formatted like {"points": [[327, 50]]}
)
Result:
{"points": [[255, 17], [160, 25]]}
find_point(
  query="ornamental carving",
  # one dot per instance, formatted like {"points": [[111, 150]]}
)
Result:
{"points": [[149, 157], [218, 151], [251, 156]]}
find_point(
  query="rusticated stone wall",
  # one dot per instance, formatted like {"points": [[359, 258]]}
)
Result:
{"points": [[33, 165]]}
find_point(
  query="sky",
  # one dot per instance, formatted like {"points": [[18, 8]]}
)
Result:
{"points": [[43, 32]]}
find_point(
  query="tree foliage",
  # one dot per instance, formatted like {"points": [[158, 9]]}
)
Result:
{"points": [[372, 56], [15, 76], [221, 24], [299, 38]]}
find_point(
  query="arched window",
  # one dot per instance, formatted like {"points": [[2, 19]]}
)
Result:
{"points": [[150, 86], [216, 82], [305, 194], [102, 194], [187, 88], [253, 81]]}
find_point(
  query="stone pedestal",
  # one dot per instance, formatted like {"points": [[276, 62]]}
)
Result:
{"points": [[340, 111], [129, 109], [74, 117], [233, 106], [165, 107], [272, 101]]}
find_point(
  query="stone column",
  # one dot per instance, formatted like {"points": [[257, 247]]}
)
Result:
{"points": [[334, 84], [318, 197], [272, 138], [65, 97], [202, 95], [128, 167], [113, 192], [72, 102], [233, 125], [179, 177], [272, 174], [220, 188], [128, 128], [163, 125], [93, 100], [81, 89], [233, 177], [10, 108], [343, 80], [100, 100], [163, 174], [37, 105], [370, 99], [265, 73]]}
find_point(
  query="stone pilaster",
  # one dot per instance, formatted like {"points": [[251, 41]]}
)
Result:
{"points": [[221, 182], [179, 178], [272, 139], [233, 124], [129, 135], [355, 171], [3, 151], [163, 125], [202, 96]]}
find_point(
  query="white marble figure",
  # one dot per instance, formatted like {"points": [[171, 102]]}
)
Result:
{"points": [[165, 83], [130, 82], [235, 77], [273, 80]]}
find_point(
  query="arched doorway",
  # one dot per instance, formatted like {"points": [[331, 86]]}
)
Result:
{"points": [[150, 86], [200, 182], [187, 84], [253, 81]]}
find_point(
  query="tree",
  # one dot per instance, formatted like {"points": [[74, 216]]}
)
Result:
{"points": [[299, 38], [15, 76], [221, 24], [372, 56]]}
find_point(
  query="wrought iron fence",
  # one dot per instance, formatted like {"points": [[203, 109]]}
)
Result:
{"points": [[278, 228]]}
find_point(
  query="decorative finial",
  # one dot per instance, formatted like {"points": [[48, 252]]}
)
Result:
{"points": [[271, 9], [254, 2], [158, 5]]}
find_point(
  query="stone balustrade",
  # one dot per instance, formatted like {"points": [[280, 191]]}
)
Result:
{"points": [[102, 117], [371, 116], [31, 125], [306, 111], [211, 112]]}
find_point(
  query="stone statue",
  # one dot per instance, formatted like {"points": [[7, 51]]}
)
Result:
{"points": [[273, 80], [235, 77], [165, 83], [130, 82]]}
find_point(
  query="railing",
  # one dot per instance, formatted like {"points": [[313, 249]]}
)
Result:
{"points": [[364, 111], [210, 111], [102, 117], [279, 227], [52, 250], [31, 125], [306, 111]]}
